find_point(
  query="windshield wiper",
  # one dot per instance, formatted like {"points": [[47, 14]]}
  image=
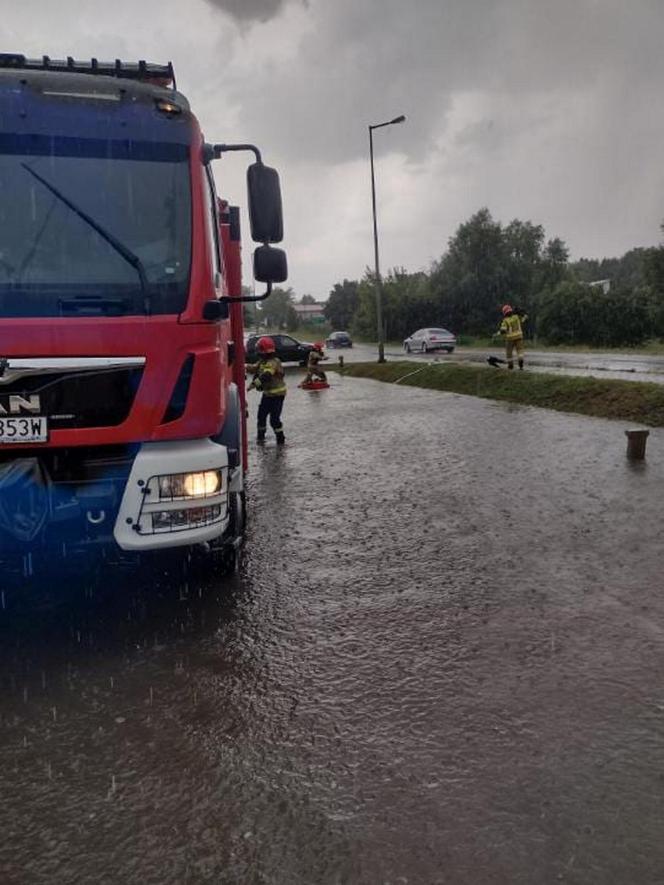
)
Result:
{"points": [[129, 256]]}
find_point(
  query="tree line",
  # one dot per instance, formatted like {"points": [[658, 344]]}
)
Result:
{"points": [[486, 264]]}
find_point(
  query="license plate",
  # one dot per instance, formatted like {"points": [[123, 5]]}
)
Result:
{"points": [[23, 430]]}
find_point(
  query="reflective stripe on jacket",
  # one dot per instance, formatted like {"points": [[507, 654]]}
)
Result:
{"points": [[270, 372], [511, 326]]}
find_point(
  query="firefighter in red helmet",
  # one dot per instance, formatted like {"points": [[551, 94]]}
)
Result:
{"points": [[268, 378], [511, 329]]}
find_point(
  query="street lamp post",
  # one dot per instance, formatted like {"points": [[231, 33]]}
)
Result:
{"points": [[377, 279]]}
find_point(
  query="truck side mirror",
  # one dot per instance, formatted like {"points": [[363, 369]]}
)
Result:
{"points": [[270, 265], [265, 213]]}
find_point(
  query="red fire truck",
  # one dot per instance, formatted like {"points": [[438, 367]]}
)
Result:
{"points": [[122, 412]]}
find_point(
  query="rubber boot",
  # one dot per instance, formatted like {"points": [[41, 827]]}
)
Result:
{"points": [[510, 366], [521, 364], [260, 436], [281, 439]]}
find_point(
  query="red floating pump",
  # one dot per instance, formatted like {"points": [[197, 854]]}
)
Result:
{"points": [[314, 385]]}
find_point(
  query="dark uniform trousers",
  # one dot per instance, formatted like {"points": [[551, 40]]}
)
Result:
{"points": [[270, 407]]}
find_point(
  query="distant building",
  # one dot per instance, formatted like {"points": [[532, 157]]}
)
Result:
{"points": [[604, 285], [310, 313]]}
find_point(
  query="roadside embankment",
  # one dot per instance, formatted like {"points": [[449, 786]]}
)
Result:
{"points": [[625, 400]]}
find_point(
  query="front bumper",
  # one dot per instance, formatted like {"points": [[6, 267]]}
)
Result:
{"points": [[134, 528], [57, 501]]}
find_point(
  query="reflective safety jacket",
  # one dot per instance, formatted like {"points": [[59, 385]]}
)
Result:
{"points": [[511, 326], [269, 377], [315, 357]]}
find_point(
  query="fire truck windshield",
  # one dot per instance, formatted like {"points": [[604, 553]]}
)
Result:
{"points": [[92, 226]]}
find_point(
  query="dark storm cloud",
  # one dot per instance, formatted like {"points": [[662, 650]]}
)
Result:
{"points": [[250, 10], [538, 109], [365, 62]]}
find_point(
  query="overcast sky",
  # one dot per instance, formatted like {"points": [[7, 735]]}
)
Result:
{"points": [[546, 110]]}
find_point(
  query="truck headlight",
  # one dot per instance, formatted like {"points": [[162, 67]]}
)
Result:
{"points": [[180, 486], [197, 485]]}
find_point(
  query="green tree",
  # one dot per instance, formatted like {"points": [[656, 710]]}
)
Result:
{"points": [[566, 313], [307, 299], [407, 305], [471, 279], [522, 244], [653, 263], [627, 321], [487, 265], [576, 313], [251, 314], [653, 288], [553, 266], [629, 271], [341, 304], [585, 270], [277, 311]]}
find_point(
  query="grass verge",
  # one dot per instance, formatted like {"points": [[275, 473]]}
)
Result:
{"points": [[625, 400]]}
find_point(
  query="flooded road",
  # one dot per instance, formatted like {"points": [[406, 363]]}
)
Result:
{"points": [[440, 662]]}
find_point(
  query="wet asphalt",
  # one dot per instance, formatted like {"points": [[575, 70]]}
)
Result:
{"points": [[440, 661]]}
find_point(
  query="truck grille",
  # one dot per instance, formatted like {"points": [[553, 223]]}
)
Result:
{"points": [[79, 399]]}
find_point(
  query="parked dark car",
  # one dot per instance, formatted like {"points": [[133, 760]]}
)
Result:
{"points": [[339, 339], [288, 349]]}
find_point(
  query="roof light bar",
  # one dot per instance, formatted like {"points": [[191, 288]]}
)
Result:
{"points": [[159, 75]]}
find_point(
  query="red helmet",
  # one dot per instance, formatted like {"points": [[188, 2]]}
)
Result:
{"points": [[265, 345], [507, 308], [318, 345]]}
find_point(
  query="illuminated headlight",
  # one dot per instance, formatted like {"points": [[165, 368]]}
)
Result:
{"points": [[176, 502], [174, 486], [202, 485]]}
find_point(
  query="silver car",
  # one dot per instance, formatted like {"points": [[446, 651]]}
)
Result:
{"points": [[430, 339]]}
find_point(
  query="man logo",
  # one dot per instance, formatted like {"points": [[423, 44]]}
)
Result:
{"points": [[19, 405]]}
